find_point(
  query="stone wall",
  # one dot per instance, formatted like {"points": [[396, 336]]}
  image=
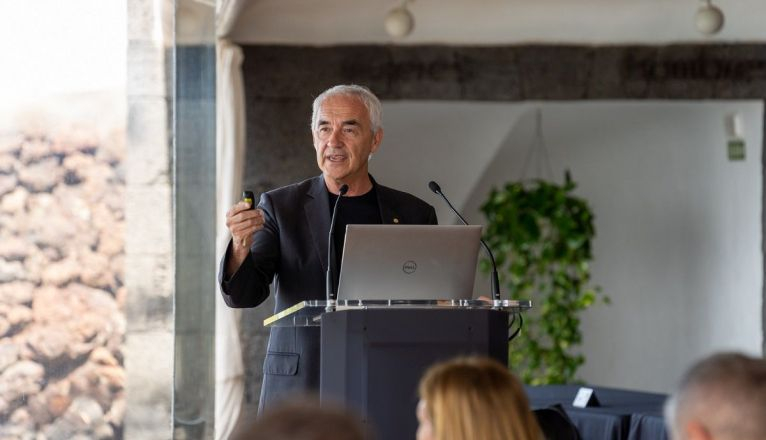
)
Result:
{"points": [[62, 292]]}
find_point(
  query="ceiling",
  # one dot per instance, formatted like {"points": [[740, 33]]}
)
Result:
{"points": [[325, 22]]}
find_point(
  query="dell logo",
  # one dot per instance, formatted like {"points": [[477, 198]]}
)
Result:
{"points": [[409, 267]]}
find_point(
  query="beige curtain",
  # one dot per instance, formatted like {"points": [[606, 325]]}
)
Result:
{"points": [[230, 155]]}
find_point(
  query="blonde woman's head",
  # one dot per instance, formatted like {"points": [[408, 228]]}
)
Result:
{"points": [[472, 398]]}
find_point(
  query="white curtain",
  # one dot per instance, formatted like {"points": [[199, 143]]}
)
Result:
{"points": [[226, 13], [230, 155]]}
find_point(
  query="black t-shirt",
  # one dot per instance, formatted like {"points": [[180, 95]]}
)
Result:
{"points": [[357, 210]]}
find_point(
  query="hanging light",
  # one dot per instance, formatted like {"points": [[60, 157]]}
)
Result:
{"points": [[399, 21], [709, 18]]}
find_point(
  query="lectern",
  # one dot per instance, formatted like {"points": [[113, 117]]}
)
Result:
{"points": [[373, 353]]}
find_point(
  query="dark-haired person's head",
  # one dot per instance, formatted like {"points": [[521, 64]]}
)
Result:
{"points": [[722, 397], [474, 398], [303, 419]]}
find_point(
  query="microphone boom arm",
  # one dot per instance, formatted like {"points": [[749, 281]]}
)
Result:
{"points": [[495, 280]]}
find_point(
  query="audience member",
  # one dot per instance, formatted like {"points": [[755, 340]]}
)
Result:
{"points": [[473, 398], [303, 419], [723, 397]]}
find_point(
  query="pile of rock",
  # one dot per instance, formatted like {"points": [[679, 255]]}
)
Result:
{"points": [[62, 321]]}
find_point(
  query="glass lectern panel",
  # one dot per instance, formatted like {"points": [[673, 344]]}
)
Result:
{"points": [[309, 313]]}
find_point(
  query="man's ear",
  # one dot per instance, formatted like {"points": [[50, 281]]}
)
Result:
{"points": [[695, 431], [377, 138]]}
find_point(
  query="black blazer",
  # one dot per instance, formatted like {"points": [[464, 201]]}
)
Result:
{"points": [[291, 252]]}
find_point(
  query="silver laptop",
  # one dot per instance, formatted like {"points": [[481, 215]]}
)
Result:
{"points": [[409, 262]]}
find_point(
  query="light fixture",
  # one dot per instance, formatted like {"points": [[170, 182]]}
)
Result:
{"points": [[400, 21], [709, 18]]}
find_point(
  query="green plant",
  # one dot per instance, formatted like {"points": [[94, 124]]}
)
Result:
{"points": [[542, 234]]}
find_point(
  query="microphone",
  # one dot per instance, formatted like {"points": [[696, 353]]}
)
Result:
{"points": [[433, 186], [331, 252]]}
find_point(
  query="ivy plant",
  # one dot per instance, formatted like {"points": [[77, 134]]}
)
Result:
{"points": [[542, 235]]}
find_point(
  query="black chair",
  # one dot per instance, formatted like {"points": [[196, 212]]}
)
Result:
{"points": [[555, 424]]}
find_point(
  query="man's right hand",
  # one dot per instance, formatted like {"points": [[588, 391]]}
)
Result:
{"points": [[242, 223]]}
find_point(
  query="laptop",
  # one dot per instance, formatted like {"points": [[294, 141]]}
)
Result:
{"points": [[383, 262]]}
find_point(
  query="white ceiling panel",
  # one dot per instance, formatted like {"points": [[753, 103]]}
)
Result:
{"points": [[494, 21]]}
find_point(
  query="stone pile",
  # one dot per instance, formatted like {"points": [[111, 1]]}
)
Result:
{"points": [[62, 321]]}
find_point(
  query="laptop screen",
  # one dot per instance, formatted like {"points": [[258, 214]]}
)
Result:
{"points": [[409, 262]]}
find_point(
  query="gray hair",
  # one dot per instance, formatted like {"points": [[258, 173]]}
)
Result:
{"points": [[726, 393], [370, 101]]}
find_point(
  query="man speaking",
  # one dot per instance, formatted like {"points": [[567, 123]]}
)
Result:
{"points": [[285, 240]]}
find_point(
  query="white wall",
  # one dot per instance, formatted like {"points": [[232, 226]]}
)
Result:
{"points": [[449, 143], [678, 246]]}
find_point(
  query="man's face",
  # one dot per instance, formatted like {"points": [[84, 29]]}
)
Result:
{"points": [[343, 138]]}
